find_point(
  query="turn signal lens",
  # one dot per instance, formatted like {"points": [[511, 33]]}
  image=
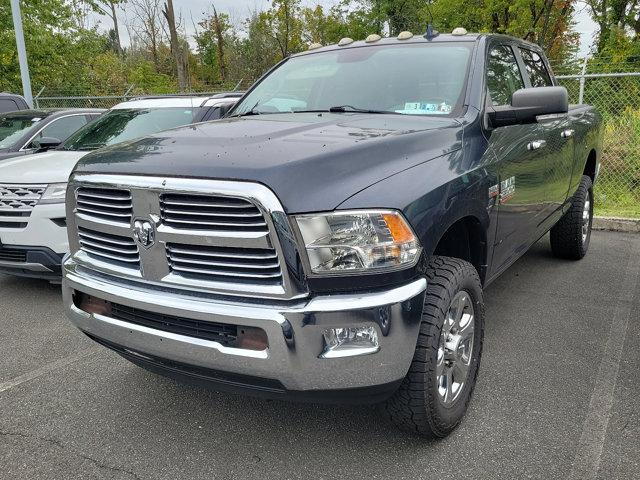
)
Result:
{"points": [[398, 228]]}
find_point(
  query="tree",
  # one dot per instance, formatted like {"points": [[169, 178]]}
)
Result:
{"points": [[282, 21], [176, 46], [108, 8], [145, 24], [215, 41], [614, 18], [217, 27]]}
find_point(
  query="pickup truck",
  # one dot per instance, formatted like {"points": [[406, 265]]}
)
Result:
{"points": [[330, 239]]}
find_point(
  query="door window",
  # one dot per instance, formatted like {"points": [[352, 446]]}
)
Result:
{"points": [[537, 70], [61, 128], [503, 75]]}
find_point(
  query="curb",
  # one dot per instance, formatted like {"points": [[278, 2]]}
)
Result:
{"points": [[616, 224]]}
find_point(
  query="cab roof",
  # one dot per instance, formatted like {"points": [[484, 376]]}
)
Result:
{"points": [[417, 38]]}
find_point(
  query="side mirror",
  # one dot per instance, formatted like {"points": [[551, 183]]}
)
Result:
{"points": [[529, 103], [46, 143]]}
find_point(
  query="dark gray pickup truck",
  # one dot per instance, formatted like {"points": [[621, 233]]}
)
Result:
{"points": [[330, 239]]}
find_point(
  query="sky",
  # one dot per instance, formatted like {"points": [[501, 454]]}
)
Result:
{"points": [[193, 10]]}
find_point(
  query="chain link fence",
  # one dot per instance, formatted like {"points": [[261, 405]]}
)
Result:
{"points": [[616, 95], [617, 98]]}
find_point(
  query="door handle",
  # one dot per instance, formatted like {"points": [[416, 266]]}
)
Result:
{"points": [[536, 144], [567, 133]]}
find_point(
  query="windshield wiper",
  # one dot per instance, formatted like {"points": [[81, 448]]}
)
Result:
{"points": [[350, 108], [249, 112]]}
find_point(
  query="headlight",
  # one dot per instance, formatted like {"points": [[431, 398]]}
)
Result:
{"points": [[55, 193], [358, 241]]}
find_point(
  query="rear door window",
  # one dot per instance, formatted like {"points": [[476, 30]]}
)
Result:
{"points": [[503, 75], [536, 69]]}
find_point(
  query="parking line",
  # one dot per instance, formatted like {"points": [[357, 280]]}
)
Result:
{"points": [[587, 460], [63, 362]]}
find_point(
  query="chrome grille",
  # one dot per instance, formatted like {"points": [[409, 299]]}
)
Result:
{"points": [[105, 203], [109, 248], [224, 264], [207, 236], [19, 200], [211, 212]]}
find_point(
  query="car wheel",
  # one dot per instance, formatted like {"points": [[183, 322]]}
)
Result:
{"points": [[434, 395], [570, 237]]}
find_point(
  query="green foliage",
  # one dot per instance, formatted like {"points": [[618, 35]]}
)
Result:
{"points": [[617, 192]]}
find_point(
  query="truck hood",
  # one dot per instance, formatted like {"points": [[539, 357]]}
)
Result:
{"points": [[43, 168], [311, 161]]}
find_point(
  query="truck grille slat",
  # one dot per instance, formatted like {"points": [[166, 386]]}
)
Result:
{"points": [[103, 246], [211, 212], [104, 203], [224, 273], [225, 252], [203, 212], [84, 233], [186, 222], [216, 263]]}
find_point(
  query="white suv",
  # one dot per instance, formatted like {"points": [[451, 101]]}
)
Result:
{"points": [[33, 233]]}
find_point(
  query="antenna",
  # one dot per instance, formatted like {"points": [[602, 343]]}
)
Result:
{"points": [[431, 32]]}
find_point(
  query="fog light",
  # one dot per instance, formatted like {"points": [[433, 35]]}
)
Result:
{"points": [[349, 342], [251, 338], [91, 304]]}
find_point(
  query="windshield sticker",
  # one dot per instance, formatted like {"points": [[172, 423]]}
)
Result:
{"points": [[421, 108]]}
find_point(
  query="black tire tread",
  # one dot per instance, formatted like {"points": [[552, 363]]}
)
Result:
{"points": [[412, 406], [566, 235]]}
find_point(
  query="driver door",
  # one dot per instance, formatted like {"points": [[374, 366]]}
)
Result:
{"points": [[520, 193]]}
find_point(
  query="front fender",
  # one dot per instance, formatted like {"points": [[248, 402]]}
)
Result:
{"points": [[433, 196]]}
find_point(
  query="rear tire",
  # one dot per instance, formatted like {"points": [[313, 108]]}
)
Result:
{"points": [[570, 237], [434, 396]]}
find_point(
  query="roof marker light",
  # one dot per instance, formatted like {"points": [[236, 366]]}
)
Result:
{"points": [[405, 35], [345, 41], [459, 31], [374, 37], [315, 46]]}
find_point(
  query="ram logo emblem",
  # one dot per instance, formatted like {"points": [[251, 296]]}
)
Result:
{"points": [[144, 233]]}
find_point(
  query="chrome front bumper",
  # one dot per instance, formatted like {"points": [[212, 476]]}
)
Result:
{"points": [[294, 331]]}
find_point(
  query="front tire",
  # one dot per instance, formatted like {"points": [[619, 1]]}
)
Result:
{"points": [[570, 237], [434, 396]]}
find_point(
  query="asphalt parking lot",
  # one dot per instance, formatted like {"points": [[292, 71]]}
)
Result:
{"points": [[557, 395]]}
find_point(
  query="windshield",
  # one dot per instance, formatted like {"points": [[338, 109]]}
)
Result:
{"points": [[13, 127], [121, 125], [414, 79]]}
